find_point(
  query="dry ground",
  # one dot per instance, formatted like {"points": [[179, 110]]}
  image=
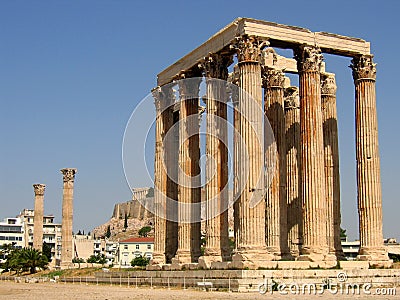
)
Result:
{"points": [[61, 291]]}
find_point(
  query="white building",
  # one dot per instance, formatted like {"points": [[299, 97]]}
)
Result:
{"points": [[51, 231], [106, 247], [134, 247], [11, 232]]}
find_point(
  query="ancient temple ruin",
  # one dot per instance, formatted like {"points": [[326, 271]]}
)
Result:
{"points": [[299, 217]]}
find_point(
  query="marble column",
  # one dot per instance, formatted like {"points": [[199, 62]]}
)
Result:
{"points": [[251, 249], [315, 244], [164, 120], [369, 193], [331, 155], [217, 240], [38, 216], [293, 165], [276, 207], [67, 215], [189, 193]]}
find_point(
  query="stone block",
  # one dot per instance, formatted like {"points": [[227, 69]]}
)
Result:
{"points": [[354, 265]]}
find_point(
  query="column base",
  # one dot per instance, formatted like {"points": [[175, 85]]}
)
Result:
{"points": [[182, 257], [158, 259], [376, 256], [253, 258], [318, 257]]}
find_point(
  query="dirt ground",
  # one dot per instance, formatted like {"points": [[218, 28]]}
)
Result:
{"points": [[61, 291]]}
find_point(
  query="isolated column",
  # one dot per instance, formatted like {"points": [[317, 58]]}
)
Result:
{"points": [[67, 215], [164, 121], [331, 154], [369, 191], [250, 243], [315, 246], [217, 239], [293, 165], [276, 217], [189, 173], [38, 216]]}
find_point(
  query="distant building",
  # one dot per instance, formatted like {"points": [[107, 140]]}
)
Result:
{"points": [[11, 232], [134, 247], [51, 231], [106, 247], [350, 249]]}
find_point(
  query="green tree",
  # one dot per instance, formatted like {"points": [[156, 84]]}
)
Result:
{"points": [[143, 232], [46, 250], [343, 234], [150, 193], [97, 259], [125, 222], [108, 232], [140, 261]]}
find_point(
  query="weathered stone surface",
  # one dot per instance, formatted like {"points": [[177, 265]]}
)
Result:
{"points": [[38, 216]]}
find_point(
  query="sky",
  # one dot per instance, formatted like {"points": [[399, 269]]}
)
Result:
{"points": [[72, 72]]}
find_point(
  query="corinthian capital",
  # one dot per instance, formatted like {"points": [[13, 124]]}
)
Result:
{"points": [[39, 188], [163, 97], [216, 65], [328, 84], [363, 67], [272, 78], [68, 174], [291, 98], [309, 58], [249, 48]]}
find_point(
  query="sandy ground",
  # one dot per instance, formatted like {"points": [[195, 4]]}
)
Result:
{"points": [[42, 291]]}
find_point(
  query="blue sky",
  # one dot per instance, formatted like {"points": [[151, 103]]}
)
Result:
{"points": [[71, 73]]}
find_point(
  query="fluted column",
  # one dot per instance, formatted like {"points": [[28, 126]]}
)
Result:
{"points": [[38, 216], [189, 192], [250, 243], [217, 240], [276, 217], [331, 155], [315, 245], [369, 193], [67, 216], [164, 120], [293, 165]]}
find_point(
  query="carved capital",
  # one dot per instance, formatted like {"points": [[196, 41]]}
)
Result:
{"points": [[249, 48], [189, 88], [309, 58], [328, 84], [39, 188], [163, 97], [272, 78], [291, 98], [216, 65], [363, 67], [68, 174]]}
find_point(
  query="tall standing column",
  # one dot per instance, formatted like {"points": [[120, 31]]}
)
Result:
{"points": [[276, 217], [369, 193], [331, 155], [164, 121], [67, 216], [315, 245], [217, 239], [38, 216], [189, 192], [251, 249], [293, 166]]}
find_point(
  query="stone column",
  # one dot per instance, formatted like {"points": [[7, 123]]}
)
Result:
{"points": [[369, 193], [189, 192], [67, 216], [293, 165], [38, 216], [217, 240], [276, 207], [331, 155], [164, 120], [251, 249], [315, 245]]}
